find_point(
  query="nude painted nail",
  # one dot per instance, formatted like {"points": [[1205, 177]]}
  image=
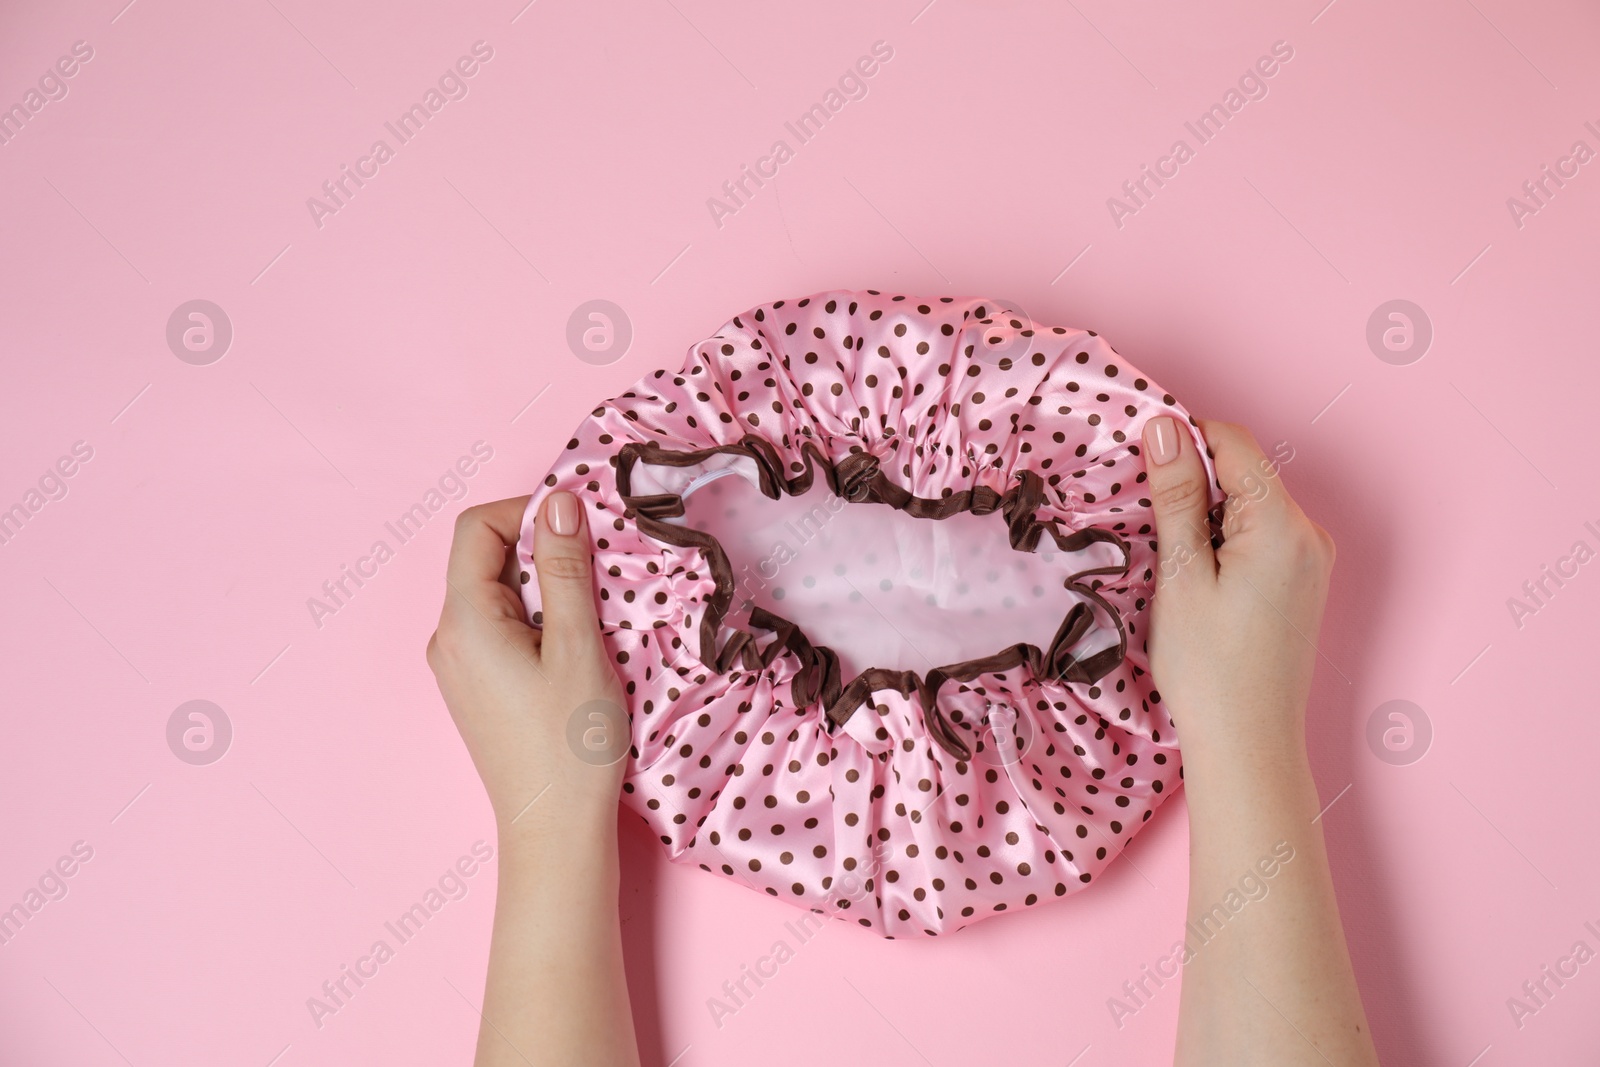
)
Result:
{"points": [[1163, 439], [562, 513]]}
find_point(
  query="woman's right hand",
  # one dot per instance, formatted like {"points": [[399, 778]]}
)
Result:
{"points": [[1232, 651], [1234, 630]]}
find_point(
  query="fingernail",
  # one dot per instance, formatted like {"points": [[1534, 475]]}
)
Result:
{"points": [[562, 513], [1163, 440]]}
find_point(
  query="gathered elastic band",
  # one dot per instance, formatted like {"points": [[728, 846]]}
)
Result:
{"points": [[857, 478]]}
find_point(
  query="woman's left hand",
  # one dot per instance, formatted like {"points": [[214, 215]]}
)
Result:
{"points": [[541, 711]]}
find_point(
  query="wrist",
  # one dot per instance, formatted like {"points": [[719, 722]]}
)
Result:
{"points": [[574, 875], [1229, 731], [1246, 758], [1255, 789], [1243, 750], [551, 828]]}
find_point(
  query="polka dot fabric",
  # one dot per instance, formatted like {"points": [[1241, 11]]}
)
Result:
{"points": [[913, 804]]}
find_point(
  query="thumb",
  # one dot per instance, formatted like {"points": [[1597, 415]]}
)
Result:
{"points": [[561, 558], [1181, 500]]}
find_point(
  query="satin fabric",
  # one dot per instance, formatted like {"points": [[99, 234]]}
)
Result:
{"points": [[920, 812]]}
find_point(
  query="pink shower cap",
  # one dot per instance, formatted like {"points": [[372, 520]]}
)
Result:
{"points": [[872, 569]]}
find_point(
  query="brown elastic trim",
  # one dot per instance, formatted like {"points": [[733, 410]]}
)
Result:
{"points": [[857, 478]]}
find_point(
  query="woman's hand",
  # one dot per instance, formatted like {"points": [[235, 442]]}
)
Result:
{"points": [[542, 714], [1266, 976], [518, 694], [1233, 642]]}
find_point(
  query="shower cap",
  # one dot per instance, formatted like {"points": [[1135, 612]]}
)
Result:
{"points": [[872, 569]]}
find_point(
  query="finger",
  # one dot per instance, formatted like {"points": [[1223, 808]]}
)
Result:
{"points": [[511, 573], [512, 577], [1244, 471], [478, 553], [478, 556], [1179, 493], [561, 557]]}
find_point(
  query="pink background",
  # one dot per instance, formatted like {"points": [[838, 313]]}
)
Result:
{"points": [[370, 353]]}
